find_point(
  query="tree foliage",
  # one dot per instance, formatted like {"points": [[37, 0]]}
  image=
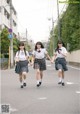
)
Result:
{"points": [[15, 44], [70, 26], [4, 41]]}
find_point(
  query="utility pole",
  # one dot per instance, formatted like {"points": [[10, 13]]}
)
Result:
{"points": [[26, 38], [53, 33], [11, 32], [26, 34], [58, 20]]}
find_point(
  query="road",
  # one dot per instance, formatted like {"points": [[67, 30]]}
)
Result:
{"points": [[49, 98]]}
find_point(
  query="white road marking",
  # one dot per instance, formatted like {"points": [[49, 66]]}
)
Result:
{"points": [[78, 92], [49, 65], [42, 98], [69, 83]]}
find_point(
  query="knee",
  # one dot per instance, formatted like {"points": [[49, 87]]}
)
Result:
{"points": [[60, 70], [24, 73], [38, 71]]}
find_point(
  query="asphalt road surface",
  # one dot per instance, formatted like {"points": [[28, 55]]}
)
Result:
{"points": [[49, 98]]}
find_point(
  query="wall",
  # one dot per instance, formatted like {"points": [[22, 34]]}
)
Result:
{"points": [[74, 57]]}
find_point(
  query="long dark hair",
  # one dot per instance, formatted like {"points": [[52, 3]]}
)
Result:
{"points": [[39, 43], [59, 42], [21, 44]]}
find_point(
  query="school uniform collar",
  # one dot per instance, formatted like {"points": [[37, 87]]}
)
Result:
{"points": [[39, 50], [21, 50]]}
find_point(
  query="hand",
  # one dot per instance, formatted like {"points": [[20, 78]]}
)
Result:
{"points": [[16, 60], [59, 51], [31, 64], [51, 61]]}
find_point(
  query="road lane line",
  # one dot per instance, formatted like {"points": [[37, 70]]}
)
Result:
{"points": [[42, 98], [78, 92], [69, 83], [49, 65]]}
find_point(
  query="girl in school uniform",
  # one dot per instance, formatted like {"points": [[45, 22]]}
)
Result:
{"points": [[39, 61], [60, 61], [21, 59]]}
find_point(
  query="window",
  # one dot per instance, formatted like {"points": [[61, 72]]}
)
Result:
{"points": [[14, 23], [0, 8], [8, 1], [6, 14]]}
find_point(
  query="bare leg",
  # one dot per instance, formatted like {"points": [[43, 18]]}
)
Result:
{"points": [[60, 76], [24, 78], [63, 74], [38, 77], [41, 74], [24, 75], [21, 79], [38, 74]]}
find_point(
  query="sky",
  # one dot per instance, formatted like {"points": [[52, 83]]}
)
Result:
{"points": [[33, 15]]}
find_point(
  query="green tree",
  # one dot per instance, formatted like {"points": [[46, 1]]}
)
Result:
{"points": [[15, 44], [70, 26], [5, 42], [50, 44], [28, 47]]}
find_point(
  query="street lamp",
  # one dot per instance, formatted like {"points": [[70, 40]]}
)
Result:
{"points": [[58, 20]]}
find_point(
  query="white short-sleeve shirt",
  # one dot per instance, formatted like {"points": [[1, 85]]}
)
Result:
{"points": [[21, 55], [63, 51], [41, 54]]}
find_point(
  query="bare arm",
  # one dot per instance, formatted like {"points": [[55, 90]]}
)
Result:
{"points": [[48, 57], [54, 57]]}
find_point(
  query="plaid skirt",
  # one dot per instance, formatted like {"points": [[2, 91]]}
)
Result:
{"points": [[40, 64], [60, 63], [21, 66]]}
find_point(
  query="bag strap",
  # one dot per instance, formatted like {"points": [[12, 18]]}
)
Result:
{"points": [[24, 52]]}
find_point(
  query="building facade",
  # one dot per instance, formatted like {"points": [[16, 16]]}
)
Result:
{"points": [[5, 16]]}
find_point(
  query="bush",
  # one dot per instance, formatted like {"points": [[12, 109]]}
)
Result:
{"points": [[6, 55], [1, 55]]}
